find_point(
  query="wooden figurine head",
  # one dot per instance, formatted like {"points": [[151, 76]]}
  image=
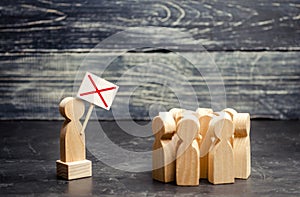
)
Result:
{"points": [[177, 113], [188, 127], [241, 122], [204, 122], [230, 111], [204, 111], [223, 126], [71, 108], [163, 126]]}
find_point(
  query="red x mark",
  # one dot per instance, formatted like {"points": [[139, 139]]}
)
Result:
{"points": [[97, 91]]}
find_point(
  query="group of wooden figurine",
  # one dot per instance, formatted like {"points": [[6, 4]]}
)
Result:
{"points": [[188, 145], [201, 144]]}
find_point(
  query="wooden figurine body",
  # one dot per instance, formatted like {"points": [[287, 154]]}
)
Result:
{"points": [[164, 147], [72, 144], [205, 115], [72, 163], [204, 122], [187, 154], [232, 113], [241, 146], [220, 158]]}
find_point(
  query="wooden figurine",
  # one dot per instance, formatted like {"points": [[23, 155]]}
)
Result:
{"points": [[220, 158], [177, 113], [204, 116], [164, 147], [204, 122], [187, 154], [232, 113], [209, 140], [241, 143], [204, 111], [72, 163], [188, 113], [241, 146]]}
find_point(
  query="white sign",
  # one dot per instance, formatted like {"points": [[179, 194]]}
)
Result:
{"points": [[97, 91]]}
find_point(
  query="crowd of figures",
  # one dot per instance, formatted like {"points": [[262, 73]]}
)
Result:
{"points": [[201, 144]]}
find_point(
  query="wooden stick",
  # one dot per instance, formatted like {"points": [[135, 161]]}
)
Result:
{"points": [[87, 117]]}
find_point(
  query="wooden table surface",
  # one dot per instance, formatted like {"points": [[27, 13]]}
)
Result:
{"points": [[255, 45], [29, 149]]}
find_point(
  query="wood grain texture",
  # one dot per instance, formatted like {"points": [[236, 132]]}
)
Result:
{"points": [[187, 153], [74, 170], [242, 145], [63, 26], [72, 142], [43, 42], [204, 120], [163, 154], [221, 158], [265, 84]]}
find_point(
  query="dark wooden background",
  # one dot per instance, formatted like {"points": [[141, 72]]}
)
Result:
{"points": [[254, 43]]}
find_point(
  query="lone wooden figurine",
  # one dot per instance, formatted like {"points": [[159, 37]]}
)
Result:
{"points": [[72, 163], [164, 147], [220, 158], [187, 154]]}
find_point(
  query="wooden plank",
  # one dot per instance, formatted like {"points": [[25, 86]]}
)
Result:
{"points": [[78, 26], [265, 84]]}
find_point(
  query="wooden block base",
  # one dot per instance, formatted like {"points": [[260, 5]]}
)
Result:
{"points": [[74, 170]]}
